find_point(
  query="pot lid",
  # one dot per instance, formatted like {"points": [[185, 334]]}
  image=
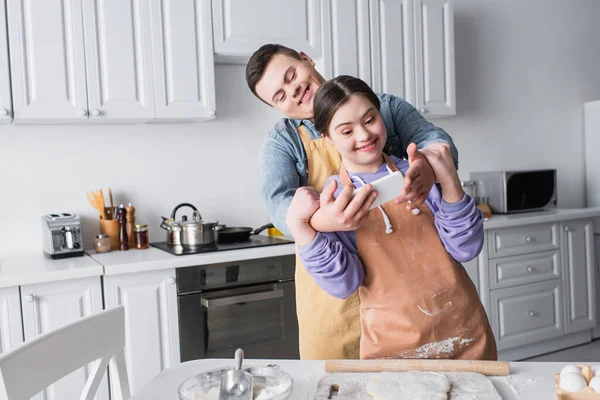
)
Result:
{"points": [[201, 222]]}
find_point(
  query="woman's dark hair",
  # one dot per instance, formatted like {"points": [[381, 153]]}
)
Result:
{"points": [[335, 93]]}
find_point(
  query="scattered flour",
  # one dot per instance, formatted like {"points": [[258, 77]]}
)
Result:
{"points": [[436, 310], [433, 349], [518, 384]]}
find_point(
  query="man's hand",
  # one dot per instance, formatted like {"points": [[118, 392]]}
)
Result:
{"points": [[304, 204], [342, 214], [418, 179], [440, 158]]}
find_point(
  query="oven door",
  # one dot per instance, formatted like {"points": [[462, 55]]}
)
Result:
{"points": [[260, 319]]}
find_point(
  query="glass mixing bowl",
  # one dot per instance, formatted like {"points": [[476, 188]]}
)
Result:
{"points": [[270, 383]]}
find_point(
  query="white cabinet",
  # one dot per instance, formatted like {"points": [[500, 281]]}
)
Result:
{"points": [[579, 269], [152, 330], [527, 314], [48, 306], [242, 26], [47, 60], [118, 56], [401, 47], [538, 284], [80, 61], [434, 41], [11, 329], [6, 110], [184, 79]]}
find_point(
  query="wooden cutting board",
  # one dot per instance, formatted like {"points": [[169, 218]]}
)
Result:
{"points": [[352, 386]]}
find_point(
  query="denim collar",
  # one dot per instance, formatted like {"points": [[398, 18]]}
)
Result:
{"points": [[305, 122]]}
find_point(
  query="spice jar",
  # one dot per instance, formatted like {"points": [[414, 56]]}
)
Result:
{"points": [[102, 243], [141, 236]]}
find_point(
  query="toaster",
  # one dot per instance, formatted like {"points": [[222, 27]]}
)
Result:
{"points": [[62, 236]]}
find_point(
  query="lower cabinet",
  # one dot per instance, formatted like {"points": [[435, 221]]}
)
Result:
{"points": [[48, 306], [579, 269], [526, 314], [151, 321], [538, 282], [11, 328]]}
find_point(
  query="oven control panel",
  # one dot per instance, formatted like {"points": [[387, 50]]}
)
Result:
{"points": [[208, 277]]}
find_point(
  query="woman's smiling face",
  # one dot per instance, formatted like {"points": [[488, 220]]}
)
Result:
{"points": [[358, 132]]}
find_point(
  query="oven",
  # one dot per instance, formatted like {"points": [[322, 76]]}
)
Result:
{"points": [[248, 304]]}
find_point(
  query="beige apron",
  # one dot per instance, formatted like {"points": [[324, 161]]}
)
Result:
{"points": [[329, 328], [416, 301]]}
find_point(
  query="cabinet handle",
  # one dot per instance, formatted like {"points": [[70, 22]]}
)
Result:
{"points": [[529, 269], [83, 113], [566, 228], [212, 113], [96, 113], [528, 239], [531, 314], [29, 298], [422, 110], [3, 112], [171, 281]]}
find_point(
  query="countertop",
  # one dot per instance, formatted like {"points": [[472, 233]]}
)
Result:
{"points": [[39, 268], [130, 261], [539, 217], [527, 381]]}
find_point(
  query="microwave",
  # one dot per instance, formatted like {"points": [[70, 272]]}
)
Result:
{"points": [[507, 192]]}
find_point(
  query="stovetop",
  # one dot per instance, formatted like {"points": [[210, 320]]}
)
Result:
{"points": [[254, 241]]}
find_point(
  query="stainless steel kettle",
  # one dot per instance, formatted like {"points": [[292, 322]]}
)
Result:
{"points": [[194, 233]]}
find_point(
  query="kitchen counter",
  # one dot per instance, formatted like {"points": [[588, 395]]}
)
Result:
{"points": [[40, 268], [539, 217], [130, 261], [527, 381]]}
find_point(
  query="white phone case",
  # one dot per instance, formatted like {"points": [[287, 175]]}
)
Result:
{"points": [[388, 188]]}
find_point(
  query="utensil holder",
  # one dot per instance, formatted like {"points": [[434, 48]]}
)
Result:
{"points": [[111, 227]]}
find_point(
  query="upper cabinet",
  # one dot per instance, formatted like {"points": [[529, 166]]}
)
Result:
{"points": [[434, 49], [47, 60], [401, 47], [242, 26], [6, 110], [184, 78], [118, 59], [77, 61]]}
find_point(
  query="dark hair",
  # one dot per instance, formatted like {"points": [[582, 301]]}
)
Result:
{"points": [[335, 93], [259, 61]]}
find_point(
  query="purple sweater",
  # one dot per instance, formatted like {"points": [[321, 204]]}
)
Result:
{"points": [[332, 257]]}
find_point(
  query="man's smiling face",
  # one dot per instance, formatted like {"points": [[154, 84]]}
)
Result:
{"points": [[289, 85]]}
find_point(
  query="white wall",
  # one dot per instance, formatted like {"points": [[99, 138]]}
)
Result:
{"points": [[523, 70]]}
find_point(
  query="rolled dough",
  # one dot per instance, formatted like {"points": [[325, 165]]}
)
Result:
{"points": [[413, 385]]}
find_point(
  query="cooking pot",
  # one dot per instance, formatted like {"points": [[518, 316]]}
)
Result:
{"points": [[194, 233]]}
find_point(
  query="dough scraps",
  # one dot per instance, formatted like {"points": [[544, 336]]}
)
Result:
{"points": [[412, 385]]}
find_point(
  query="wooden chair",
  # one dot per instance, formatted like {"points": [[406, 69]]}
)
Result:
{"points": [[33, 366]]}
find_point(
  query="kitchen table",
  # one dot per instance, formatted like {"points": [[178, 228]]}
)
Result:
{"points": [[527, 381]]}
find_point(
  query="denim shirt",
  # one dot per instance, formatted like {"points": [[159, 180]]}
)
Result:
{"points": [[283, 163]]}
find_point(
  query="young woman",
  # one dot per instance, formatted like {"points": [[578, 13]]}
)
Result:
{"points": [[416, 299]]}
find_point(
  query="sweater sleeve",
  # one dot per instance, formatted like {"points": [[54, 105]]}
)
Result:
{"points": [[460, 225], [332, 261]]}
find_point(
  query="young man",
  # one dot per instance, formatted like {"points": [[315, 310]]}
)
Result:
{"points": [[294, 155]]}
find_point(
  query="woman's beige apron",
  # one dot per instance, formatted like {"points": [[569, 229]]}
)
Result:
{"points": [[329, 328], [416, 301]]}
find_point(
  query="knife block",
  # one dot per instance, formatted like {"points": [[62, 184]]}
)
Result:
{"points": [[111, 227]]}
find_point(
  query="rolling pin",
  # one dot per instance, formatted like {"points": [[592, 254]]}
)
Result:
{"points": [[489, 368]]}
